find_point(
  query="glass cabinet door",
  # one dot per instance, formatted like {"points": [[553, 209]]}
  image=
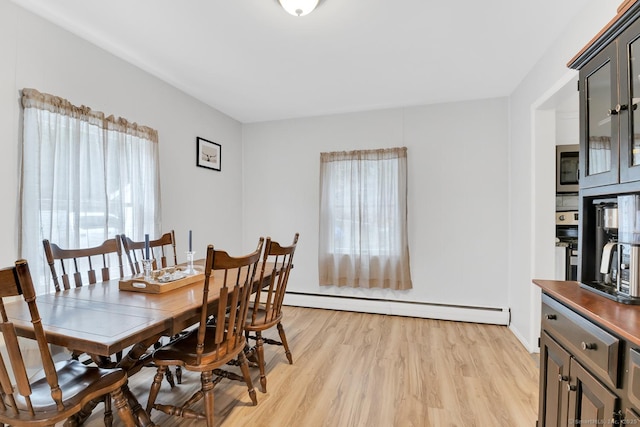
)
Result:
{"points": [[599, 98], [634, 86], [599, 118], [629, 54]]}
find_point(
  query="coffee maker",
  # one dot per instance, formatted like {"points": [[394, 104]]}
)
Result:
{"points": [[628, 282], [606, 257]]}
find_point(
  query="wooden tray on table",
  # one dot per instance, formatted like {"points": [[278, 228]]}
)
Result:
{"points": [[159, 285]]}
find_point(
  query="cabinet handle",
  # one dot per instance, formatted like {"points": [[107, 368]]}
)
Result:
{"points": [[562, 378], [571, 387], [617, 109], [588, 346], [551, 317]]}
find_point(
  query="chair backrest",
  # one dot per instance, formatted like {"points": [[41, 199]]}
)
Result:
{"points": [[73, 263], [235, 276], [17, 398], [158, 250], [274, 276]]}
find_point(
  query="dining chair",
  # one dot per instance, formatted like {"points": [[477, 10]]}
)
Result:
{"points": [[209, 346], [158, 249], [77, 267], [59, 390], [74, 262], [265, 310]]}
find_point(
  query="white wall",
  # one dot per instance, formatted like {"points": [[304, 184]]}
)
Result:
{"points": [[35, 53], [457, 157], [531, 159]]}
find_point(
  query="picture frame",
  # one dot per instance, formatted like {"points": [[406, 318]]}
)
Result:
{"points": [[209, 154]]}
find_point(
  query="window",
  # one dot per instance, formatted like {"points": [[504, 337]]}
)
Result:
{"points": [[363, 219], [85, 178]]}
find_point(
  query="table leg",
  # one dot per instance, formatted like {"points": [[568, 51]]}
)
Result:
{"points": [[130, 363]]}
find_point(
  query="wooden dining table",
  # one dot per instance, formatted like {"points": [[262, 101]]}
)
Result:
{"points": [[100, 319]]}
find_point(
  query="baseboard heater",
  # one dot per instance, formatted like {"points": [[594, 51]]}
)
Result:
{"points": [[490, 315]]}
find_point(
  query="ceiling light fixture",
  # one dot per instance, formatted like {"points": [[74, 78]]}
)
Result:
{"points": [[298, 7]]}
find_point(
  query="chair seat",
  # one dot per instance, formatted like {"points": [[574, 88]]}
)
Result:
{"points": [[181, 352], [260, 324], [77, 382]]}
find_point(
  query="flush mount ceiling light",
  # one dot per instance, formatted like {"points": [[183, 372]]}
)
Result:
{"points": [[298, 7]]}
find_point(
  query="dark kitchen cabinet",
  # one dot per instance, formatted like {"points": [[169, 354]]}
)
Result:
{"points": [[631, 417], [590, 402], [579, 366], [554, 396], [609, 97], [570, 394], [609, 85], [599, 135]]}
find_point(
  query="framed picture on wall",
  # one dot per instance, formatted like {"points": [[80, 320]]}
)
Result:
{"points": [[208, 154]]}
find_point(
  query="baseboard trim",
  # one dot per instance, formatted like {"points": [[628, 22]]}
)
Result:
{"points": [[495, 316]]}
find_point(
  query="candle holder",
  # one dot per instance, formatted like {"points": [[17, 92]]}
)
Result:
{"points": [[190, 270], [147, 266]]}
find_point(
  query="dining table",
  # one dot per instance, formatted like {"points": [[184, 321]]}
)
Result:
{"points": [[102, 320]]}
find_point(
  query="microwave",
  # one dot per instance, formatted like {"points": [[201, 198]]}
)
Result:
{"points": [[567, 168]]}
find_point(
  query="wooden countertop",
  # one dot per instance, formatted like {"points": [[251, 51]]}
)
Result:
{"points": [[622, 319]]}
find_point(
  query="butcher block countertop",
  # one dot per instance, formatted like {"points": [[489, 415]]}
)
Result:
{"points": [[622, 319]]}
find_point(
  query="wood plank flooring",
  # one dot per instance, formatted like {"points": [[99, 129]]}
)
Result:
{"points": [[355, 369]]}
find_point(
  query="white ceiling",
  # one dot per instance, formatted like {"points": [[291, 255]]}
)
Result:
{"points": [[253, 61]]}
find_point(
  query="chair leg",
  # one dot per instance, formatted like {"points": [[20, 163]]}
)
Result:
{"points": [[283, 338], [260, 354], [108, 415], [169, 376], [179, 374], [155, 387], [123, 408], [207, 390], [244, 367]]}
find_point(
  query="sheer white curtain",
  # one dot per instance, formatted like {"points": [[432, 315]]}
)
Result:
{"points": [[85, 178], [363, 219], [599, 154]]}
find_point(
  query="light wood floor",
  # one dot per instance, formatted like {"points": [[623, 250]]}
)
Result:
{"points": [[354, 369]]}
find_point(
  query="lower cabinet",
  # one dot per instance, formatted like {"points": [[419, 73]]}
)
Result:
{"points": [[590, 402], [570, 395], [554, 377], [588, 376], [631, 417]]}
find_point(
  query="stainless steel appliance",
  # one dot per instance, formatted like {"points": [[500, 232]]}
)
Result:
{"points": [[567, 168], [629, 245], [607, 240], [567, 244], [618, 236]]}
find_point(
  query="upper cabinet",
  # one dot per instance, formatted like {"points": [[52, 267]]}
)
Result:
{"points": [[609, 97], [629, 51], [599, 137]]}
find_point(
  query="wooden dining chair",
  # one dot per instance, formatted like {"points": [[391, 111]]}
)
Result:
{"points": [[208, 347], [158, 251], [265, 310], [79, 265], [59, 390]]}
